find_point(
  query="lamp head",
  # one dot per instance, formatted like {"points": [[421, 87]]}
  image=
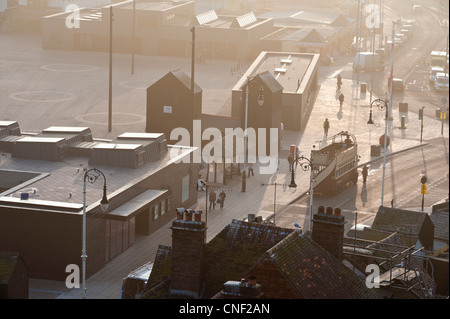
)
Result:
{"points": [[104, 204]]}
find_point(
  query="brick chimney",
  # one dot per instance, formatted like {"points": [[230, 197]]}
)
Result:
{"points": [[188, 250], [328, 230], [242, 289]]}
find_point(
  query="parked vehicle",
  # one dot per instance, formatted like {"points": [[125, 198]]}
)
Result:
{"points": [[438, 58], [368, 61], [397, 85], [441, 83], [433, 71]]}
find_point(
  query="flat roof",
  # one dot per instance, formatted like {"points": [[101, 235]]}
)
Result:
{"points": [[287, 68], [137, 203], [116, 146], [139, 136], [61, 182], [40, 139], [65, 129]]}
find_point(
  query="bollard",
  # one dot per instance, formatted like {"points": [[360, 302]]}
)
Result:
{"points": [[403, 122]]}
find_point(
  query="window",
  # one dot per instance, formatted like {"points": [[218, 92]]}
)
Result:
{"points": [[155, 212], [185, 189], [163, 207]]}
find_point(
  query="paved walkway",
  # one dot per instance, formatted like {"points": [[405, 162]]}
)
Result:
{"points": [[259, 200]]}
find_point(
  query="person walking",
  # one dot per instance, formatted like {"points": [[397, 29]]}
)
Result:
{"points": [[212, 199], [326, 126], [339, 82], [341, 99], [244, 182], [250, 169], [222, 196], [365, 172]]}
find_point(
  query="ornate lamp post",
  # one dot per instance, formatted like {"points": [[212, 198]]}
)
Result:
{"points": [[305, 164], [91, 176], [381, 105]]}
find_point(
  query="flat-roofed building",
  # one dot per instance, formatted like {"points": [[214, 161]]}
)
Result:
{"points": [[297, 75], [41, 198]]}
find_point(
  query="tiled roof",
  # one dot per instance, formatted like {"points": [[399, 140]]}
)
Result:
{"points": [[440, 221], [399, 220], [161, 270], [314, 273], [236, 249]]}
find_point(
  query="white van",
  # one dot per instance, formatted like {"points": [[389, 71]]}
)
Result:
{"points": [[368, 61], [441, 83], [433, 71]]}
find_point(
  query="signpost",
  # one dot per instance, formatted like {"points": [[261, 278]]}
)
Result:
{"points": [[423, 188]]}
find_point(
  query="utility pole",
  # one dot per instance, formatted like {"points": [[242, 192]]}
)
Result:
{"points": [[193, 69], [133, 47], [389, 106], [110, 69]]}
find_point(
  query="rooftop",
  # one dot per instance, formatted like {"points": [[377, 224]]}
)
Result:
{"points": [[59, 184], [287, 68]]}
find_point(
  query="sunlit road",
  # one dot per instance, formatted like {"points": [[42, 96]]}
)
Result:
{"points": [[402, 184]]}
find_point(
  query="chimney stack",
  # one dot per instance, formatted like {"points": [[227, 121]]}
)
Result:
{"points": [[328, 230], [188, 251]]}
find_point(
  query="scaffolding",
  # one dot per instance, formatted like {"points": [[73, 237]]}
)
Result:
{"points": [[408, 269]]}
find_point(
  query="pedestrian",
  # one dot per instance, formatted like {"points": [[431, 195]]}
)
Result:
{"points": [[212, 199], [365, 172], [326, 126], [250, 169], [341, 99], [339, 82], [244, 182], [222, 196]]}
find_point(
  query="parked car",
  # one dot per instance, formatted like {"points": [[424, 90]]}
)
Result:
{"points": [[441, 82], [433, 71], [356, 230], [368, 61]]}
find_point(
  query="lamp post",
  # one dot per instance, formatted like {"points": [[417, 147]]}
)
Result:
{"points": [[381, 105], [305, 164], [91, 176], [274, 196]]}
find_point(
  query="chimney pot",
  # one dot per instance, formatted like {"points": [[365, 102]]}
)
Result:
{"points": [[198, 215], [180, 212], [329, 210], [321, 209], [188, 215], [337, 211]]}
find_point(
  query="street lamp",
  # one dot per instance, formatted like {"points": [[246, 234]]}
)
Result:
{"points": [[305, 164], [381, 105], [91, 176]]}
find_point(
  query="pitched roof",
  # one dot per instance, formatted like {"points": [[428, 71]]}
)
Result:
{"points": [[314, 273], [399, 220], [181, 76], [440, 221], [268, 79], [236, 249]]}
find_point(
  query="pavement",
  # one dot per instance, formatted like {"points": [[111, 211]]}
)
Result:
{"points": [[259, 199]]}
